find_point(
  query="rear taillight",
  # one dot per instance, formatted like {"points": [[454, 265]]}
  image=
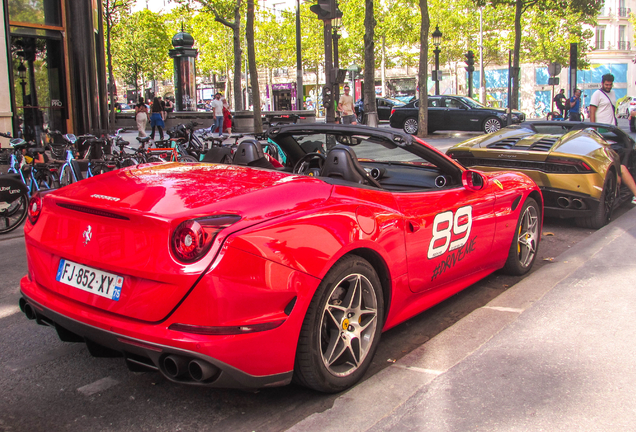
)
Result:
{"points": [[193, 238], [565, 165], [35, 208], [392, 111]]}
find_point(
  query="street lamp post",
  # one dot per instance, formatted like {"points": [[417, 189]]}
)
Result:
{"points": [[437, 40]]}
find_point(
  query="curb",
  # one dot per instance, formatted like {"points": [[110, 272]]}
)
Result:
{"points": [[365, 405]]}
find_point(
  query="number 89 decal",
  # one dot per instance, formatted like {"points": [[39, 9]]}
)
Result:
{"points": [[444, 224]]}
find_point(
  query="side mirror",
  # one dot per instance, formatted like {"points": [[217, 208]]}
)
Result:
{"points": [[472, 180]]}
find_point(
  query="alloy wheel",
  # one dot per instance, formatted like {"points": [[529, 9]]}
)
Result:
{"points": [[492, 125], [410, 126], [527, 239], [348, 325]]}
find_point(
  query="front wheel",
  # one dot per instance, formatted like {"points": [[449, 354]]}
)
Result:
{"points": [[605, 207], [491, 125], [410, 125], [525, 243], [66, 176], [341, 330], [13, 214]]}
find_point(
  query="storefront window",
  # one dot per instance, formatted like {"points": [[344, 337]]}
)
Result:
{"points": [[45, 12], [38, 85]]}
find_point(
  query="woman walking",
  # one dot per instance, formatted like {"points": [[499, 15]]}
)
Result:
{"points": [[141, 116], [227, 117], [156, 119]]}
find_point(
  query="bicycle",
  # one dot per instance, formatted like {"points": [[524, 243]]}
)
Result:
{"points": [[14, 199], [35, 175]]}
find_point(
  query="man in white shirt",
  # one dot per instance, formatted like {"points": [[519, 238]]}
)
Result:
{"points": [[217, 108], [603, 102], [345, 106], [602, 110]]}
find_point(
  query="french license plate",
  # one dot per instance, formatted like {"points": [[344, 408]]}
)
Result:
{"points": [[89, 279]]}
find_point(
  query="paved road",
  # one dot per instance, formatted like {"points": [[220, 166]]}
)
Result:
{"points": [[50, 385]]}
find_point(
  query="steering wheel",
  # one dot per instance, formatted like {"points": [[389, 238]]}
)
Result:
{"points": [[304, 163]]}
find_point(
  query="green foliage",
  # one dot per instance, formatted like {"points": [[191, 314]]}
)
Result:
{"points": [[140, 47], [211, 38]]}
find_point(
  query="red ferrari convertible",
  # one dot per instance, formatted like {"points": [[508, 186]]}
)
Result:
{"points": [[243, 275]]}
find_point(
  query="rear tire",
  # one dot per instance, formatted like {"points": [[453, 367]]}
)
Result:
{"points": [[491, 125], [605, 207], [410, 125], [342, 328], [187, 159], [525, 243]]}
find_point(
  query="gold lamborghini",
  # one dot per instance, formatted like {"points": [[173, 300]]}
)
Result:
{"points": [[576, 165]]}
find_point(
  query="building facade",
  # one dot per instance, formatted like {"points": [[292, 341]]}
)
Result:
{"points": [[55, 73]]}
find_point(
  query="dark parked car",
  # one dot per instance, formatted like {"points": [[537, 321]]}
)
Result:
{"points": [[384, 107], [450, 112]]}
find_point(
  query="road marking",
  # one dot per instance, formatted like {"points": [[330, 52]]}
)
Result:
{"points": [[98, 386], [503, 309], [422, 370], [8, 310]]}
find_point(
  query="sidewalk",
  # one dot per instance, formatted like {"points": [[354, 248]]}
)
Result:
{"points": [[554, 352]]}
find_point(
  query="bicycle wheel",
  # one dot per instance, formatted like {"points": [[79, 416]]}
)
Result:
{"points": [[128, 162], [154, 159], [12, 216], [46, 180], [98, 168], [188, 159], [66, 176]]}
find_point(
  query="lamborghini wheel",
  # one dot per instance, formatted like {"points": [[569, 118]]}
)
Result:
{"points": [[605, 207], [525, 243], [341, 330]]}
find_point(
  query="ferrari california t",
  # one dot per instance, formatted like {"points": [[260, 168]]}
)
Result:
{"points": [[243, 275]]}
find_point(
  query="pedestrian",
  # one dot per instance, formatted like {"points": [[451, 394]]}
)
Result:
{"points": [[156, 119], [559, 100], [141, 117], [227, 117], [603, 110], [603, 102], [345, 107], [169, 105], [164, 114], [575, 106], [217, 108]]}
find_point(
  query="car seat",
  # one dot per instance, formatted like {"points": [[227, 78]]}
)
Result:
{"points": [[250, 153], [342, 162]]}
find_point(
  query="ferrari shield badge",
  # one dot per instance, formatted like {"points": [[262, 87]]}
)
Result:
{"points": [[87, 235], [498, 183]]}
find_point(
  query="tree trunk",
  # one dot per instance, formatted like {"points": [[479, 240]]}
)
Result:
{"points": [[236, 34], [514, 103], [370, 108], [422, 122], [111, 79], [251, 59]]}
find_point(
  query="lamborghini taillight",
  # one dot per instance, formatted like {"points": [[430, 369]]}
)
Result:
{"points": [[192, 239], [558, 164]]}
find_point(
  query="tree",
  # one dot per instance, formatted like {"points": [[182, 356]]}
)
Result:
{"points": [[422, 129], [251, 59], [140, 48], [228, 13], [370, 109], [112, 11], [559, 8]]}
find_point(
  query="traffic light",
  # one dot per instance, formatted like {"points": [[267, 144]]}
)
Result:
{"points": [[326, 96], [325, 9], [470, 61]]}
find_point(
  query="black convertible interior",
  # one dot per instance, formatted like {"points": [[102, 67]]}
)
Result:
{"points": [[358, 156]]}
